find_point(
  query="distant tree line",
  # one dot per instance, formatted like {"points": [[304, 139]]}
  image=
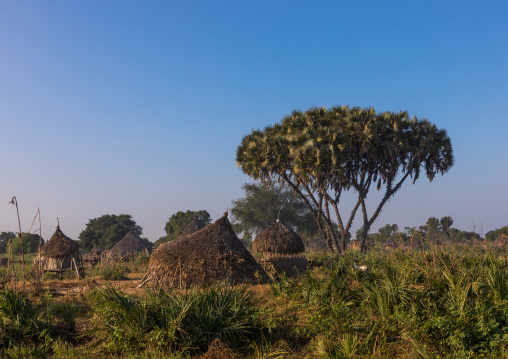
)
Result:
{"points": [[30, 242], [432, 231]]}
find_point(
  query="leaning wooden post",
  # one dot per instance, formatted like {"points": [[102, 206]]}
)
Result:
{"points": [[14, 201]]}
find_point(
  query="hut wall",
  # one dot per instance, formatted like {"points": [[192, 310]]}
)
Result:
{"points": [[290, 265], [59, 263]]}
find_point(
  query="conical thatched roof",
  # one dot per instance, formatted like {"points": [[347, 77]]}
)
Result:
{"points": [[130, 244], [195, 225], [278, 239], [59, 245], [501, 240], [212, 254]]}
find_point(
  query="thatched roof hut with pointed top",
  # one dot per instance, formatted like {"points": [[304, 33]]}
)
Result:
{"points": [[59, 253], [501, 240], [212, 254], [195, 225], [280, 249], [130, 245]]}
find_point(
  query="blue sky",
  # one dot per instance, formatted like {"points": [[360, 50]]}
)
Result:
{"points": [[110, 107]]}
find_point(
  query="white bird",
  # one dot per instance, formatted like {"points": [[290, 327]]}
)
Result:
{"points": [[357, 267]]}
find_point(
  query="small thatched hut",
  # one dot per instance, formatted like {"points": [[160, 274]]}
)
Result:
{"points": [[501, 240], [280, 250], [195, 225], [130, 245], [59, 253], [212, 254]]}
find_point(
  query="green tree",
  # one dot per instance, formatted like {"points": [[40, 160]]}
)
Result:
{"points": [[433, 229], [30, 243], [492, 235], [178, 221], [446, 223], [4, 240], [262, 205], [105, 231], [321, 153]]}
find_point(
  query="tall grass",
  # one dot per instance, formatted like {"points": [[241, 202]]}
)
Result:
{"points": [[172, 322]]}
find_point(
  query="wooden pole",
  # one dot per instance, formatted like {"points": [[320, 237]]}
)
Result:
{"points": [[14, 201]]}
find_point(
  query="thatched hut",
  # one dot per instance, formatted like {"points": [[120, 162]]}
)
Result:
{"points": [[212, 254], [280, 249], [501, 240], [195, 225], [59, 253], [130, 245]]}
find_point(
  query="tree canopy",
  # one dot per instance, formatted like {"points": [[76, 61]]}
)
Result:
{"points": [[30, 243], [105, 231], [262, 205], [4, 240], [178, 221], [320, 153]]}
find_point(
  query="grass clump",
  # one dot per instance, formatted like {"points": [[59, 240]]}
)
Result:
{"points": [[170, 322]]}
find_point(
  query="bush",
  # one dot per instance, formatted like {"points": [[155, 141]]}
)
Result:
{"points": [[167, 321], [114, 271]]}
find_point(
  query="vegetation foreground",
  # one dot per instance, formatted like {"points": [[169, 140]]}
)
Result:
{"points": [[440, 303]]}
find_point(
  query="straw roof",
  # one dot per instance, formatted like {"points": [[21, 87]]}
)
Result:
{"points": [[212, 254], [59, 245], [501, 240], [278, 239], [129, 244], [195, 225]]}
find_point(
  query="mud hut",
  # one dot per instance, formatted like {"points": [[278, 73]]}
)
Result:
{"points": [[501, 240], [212, 254], [130, 245], [280, 249], [59, 253]]}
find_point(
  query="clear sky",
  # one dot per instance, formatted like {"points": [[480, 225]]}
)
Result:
{"points": [[137, 107]]}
